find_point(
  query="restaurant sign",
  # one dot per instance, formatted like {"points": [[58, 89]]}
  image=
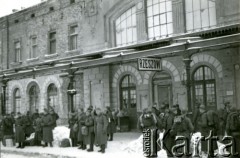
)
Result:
{"points": [[149, 64]]}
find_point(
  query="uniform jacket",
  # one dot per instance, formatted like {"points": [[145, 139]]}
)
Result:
{"points": [[81, 123], [100, 129]]}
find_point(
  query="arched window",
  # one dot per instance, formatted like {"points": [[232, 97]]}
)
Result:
{"points": [[159, 17], [200, 14], [52, 95], [33, 98], [128, 89], [125, 27], [17, 100], [205, 87]]}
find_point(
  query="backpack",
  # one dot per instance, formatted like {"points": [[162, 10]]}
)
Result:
{"points": [[233, 120], [212, 119]]}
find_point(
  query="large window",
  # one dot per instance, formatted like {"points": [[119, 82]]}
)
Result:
{"points": [[52, 95], [33, 51], [17, 100], [205, 87], [33, 98], [73, 37], [52, 43], [200, 14], [17, 50], [159, 17], [125, 25]]}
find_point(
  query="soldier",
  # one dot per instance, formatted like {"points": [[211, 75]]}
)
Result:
{"points": [[89, 122], [7, 124], [223, 114], [35, 115], [47, 124], [81, 120], [147, 120], [54, 116], [73, 131], [100, 130], [168, 120], [155, 109], [233, 129], [182, 125], [29, 124], [206, 125], [37, 124], [111, 123], [20, 135]]}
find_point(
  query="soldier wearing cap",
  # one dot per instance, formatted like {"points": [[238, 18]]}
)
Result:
{"points": [[147, 120], [111, 123], [47, 124], [19, 134], [81, 121], [223, 115], [89, 123], [54, 116]]}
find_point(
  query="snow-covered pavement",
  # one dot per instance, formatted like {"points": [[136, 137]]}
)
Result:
{"points": [[116, 148]]}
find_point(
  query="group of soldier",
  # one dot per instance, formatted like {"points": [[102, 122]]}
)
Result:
{"points": [[176, 122], [93, 126], [21, 126]]}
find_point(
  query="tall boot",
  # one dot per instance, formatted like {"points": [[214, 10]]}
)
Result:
{"points": [[103, 148], [51, 144], [22, 145], [111, 137], [19, 145], [81, 145]]}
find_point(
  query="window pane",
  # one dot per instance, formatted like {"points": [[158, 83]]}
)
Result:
{"points": [[212, 12], [155, 9], [130, 37], [205, 20], [157, 31], [149, 2], [134, 20], [189, 19], [163, 18], [155, 1], [204, 4], [196, 5], [188, 5], [149, 11], [156, 20], [150, 22], [169, 17], [163, 30], [150, 33], [162, 8], [197, 19], [170, 28], [169, 6], [134, 34]]}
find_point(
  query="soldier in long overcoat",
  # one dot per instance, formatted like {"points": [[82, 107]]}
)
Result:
{"points": [[54, 116], [167, 123], [100, 130], [89, 123], [205, 128], [81, 121], [47, 124], [7, 124], [29, 124], [19, 133], [111, 123], [73, 132], [37, 124]]}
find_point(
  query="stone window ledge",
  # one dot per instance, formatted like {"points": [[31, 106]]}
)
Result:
{"points": [[47, 56], [73, 51], [33, 59]]}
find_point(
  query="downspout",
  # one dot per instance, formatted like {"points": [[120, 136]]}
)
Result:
{"points": [[7, 43]]}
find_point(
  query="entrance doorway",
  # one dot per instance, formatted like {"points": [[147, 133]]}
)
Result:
{"points": [[128, 99], [162, 88]]}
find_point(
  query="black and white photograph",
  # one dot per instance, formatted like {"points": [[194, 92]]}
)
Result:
{"points": [[119, 78]]}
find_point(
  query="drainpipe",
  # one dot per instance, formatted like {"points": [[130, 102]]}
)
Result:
{"points": [[7, 43]]}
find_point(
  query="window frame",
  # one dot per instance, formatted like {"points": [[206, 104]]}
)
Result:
{"points": [[33, 46], [204, 83], [147, 17], [50, 95], [71, 36], [115, 27], [51, 40], [17, 51]]}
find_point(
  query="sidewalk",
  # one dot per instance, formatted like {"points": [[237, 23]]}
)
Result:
{"points": [[114, 149]]}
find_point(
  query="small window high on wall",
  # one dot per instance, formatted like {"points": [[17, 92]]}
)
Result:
{"points": [[159, 18], [125, 27], [200, 14]]}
